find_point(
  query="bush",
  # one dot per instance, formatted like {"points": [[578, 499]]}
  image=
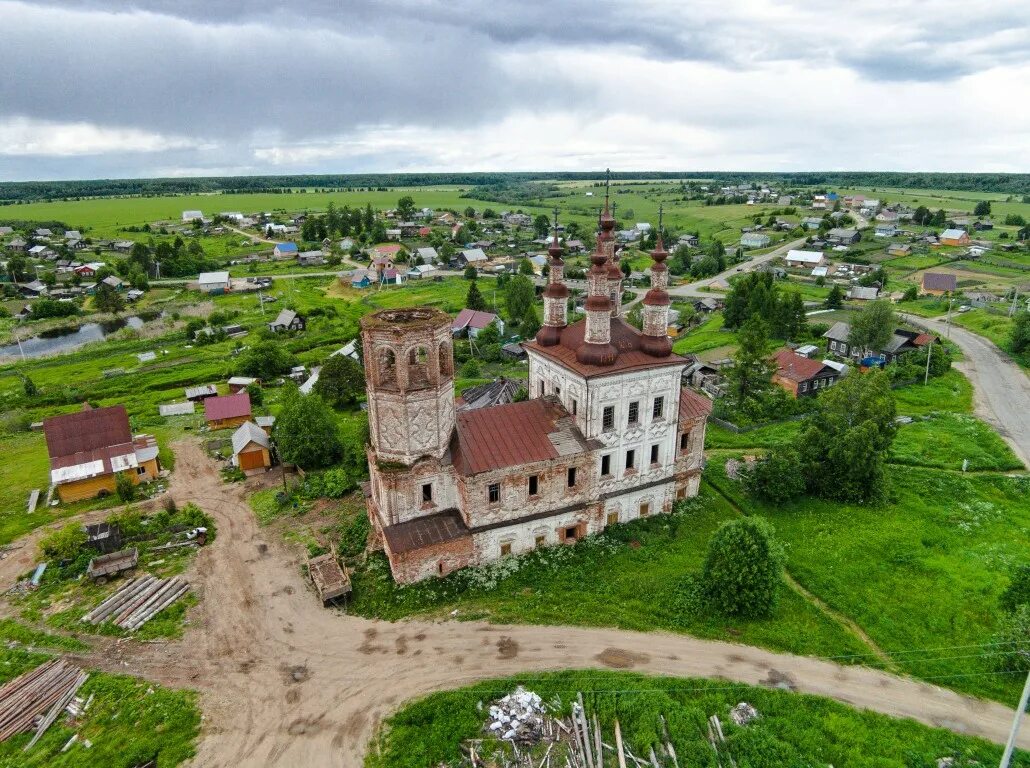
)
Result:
{"points": [[1017, 593], [124, 487], [1012, 655], [778, 477], [742, 569], [63, 544], [470, 369], [355, 537]]}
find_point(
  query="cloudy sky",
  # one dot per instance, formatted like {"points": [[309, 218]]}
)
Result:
{"points": [[102, 88]]}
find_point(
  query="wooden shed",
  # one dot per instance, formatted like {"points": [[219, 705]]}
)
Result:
{"points": [[250, 447], [227, 411]]}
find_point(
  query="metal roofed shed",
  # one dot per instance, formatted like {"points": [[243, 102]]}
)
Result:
{"points": [[199, 393], [177, 409]]}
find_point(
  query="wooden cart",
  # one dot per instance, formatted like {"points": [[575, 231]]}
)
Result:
{"points": [[105, 566], [330, 580]]}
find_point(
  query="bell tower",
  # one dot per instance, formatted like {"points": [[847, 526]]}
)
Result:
{"points": [[409, 376]]}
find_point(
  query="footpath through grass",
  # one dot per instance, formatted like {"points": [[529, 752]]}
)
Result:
{"points": [[793, 730]]}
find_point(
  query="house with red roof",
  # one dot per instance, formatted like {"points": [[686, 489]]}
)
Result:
{"points": [[90, 448], [470, 322], [227, 411], [802, 376]]}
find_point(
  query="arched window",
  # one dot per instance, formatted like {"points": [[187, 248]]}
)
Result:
{"points": [[446, 359], [418, 367], [387, 366]]}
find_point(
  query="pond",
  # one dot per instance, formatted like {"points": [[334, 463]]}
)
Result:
{"points": [[66, 339]]}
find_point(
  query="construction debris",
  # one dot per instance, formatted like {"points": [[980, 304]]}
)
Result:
{"points": [[138, 602], [743, 713], [518, 717], [34, 700]]}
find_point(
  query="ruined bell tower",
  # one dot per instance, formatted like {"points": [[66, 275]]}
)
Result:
{"points": [[409, 375]]}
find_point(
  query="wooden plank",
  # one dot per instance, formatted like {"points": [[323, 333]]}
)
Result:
{"points": [[33, 500]]}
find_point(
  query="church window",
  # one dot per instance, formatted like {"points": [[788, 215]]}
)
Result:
{"points": [[571, 477], [494, 492], [534, 485], [631, 459], [606, 465], [634, 413], [608, 418], [659, 408], [654, 454], [427, 493]]}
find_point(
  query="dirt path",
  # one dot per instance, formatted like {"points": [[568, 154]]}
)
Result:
{"points": [[286, 683]]}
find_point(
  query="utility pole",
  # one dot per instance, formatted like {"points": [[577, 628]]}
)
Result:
{"points": [[929, 353], [950, 302], [1015, 297], [1010, 745]]}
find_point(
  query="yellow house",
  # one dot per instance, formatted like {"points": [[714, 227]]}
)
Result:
{"points": [[250, 447], [89, 448]]}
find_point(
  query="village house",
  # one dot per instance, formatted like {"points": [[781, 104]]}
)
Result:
{"points": [[607, 436], [843, 236], [901, 342], [938, 283], [470, 322], [981, 298], [899, 249], [802, 376], [310, 259], [428, 255], [227, 411], [363, 278], [798, 259], [90, 448], [754, 240], [17, 245], [189, 216], [885, 230], [239, 383], [471, 256], [863, 293], [214, 282], [954, 237], [287, 320], [284, 250], [251, 448], [123, 246], [811, 222]]}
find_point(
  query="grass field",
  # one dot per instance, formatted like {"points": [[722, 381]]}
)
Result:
{"points": [[129, 723], [793, 729], [709, 335]]}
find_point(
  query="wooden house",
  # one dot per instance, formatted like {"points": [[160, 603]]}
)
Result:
{"points": [[802, 376], [251, 447], [227, 411], [939, 283], [89, 449]]}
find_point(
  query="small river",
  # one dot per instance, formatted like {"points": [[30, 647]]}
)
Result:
{"points": [[66, 339]]}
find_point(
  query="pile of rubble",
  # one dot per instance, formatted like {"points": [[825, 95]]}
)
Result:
{"points": [[743, 713], [518, 717]]}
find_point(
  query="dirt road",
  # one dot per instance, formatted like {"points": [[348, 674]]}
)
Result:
{"points": [[1001, 390], [286, 683]]}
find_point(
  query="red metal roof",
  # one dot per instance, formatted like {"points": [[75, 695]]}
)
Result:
{"points": [[625, 339], [513, 434], [227, 406], [471, 318], [693, 405], [923, 339], [790, 365], [74, 438]]}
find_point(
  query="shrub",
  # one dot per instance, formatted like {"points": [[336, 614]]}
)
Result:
{"points": [[355, 537], [742, 569], [1012, 655], [124, 487], [778, 477], [470, 369], [64, 543], [1017, 593]]}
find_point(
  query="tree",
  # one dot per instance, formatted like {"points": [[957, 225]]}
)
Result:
{"points": [[530, 323], [911, 293], [63, 544], [266, 360], [491, 335], [873, 327], [470, 369], [341, 381], [627, 270], [470, 273], [519, 295], [16, 267], [406, 207], [305, 431], [29, 387], [107, 299], [835, 299], [1017, 593], [124, 487], [138, 279], [526, 267], [844, 444], [777, 477], [474, 299], [743, 568], [752, 372], [1019, 336], [1010, 642], [469, 212], [541, 225], [983, 208]]}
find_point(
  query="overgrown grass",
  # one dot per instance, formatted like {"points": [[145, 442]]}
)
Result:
{"points": [[129, 723], [13, 632], [709, 335], [632, 577], [945, 440], [922, 571], [793, 730]]}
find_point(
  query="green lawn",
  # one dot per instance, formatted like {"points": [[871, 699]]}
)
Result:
{"points": [[922, 571], [946, 440], [709, 335], [792, 730], [629, 577], [129, 723]]}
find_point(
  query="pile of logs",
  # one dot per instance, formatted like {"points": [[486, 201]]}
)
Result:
{"points": [[35, 699], [138, 602]]}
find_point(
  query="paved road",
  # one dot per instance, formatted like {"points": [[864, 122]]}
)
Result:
{"points": [[1001, 388], [284, 682]]}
